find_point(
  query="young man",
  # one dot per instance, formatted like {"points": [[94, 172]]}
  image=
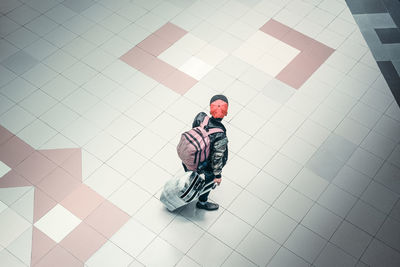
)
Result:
{"points": [[218, 146]]}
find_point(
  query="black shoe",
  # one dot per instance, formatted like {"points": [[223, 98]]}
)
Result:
{"points": [[207, 206]]}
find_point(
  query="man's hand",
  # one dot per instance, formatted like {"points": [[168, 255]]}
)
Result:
{"points": [[218, 181]]}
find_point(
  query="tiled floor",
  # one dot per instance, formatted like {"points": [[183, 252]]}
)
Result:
{"points": [[379, 22], [95, 93]]}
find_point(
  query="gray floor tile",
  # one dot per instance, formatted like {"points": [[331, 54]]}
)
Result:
{"points": [[321, 221], [285, 257], [380, 197], [366, 217], [365, 162], [305, 243], [258, 248], [395, 213], [78, 5], [325, 164], [294, 204], [351, 239], [276, 225], [339, 146], [379, 254], [337, 200], [20, 62], [390, 233], [332, 256], [351, 180]]}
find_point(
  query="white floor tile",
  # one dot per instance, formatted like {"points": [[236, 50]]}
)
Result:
{"points": [[240, 205], [8, 119], [58, 223], [37, 133], [273, 135], [283, 168], [103, 146], [195, 68], [13, 225], [22, 247], [365, 162], [154, 215], [322, 221], [105, 180], [133, 237], [151, 177], [147, 143], [285, 257], [298, 150], [9, 259], [218, 251], [295, 243], [109, 254], [351, 180], [257, 153], [263, 183], [167, 255], [129, 197], [276, 225], [38, 102], [312, 132], [309, 184], [258, 248], [293, 203], [240, 171], [182, 233]]}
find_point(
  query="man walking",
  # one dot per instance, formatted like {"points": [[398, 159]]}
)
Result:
{"points": [[218, 156]]}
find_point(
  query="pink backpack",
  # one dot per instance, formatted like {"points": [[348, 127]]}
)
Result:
{"points": [[194, 146]]}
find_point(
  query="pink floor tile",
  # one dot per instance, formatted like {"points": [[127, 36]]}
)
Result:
{"points": [[298, 71], [42, 204], [58, 156], [58, 184], [4, 135], [170, 32], [83, 242], [14, 151], [313, 53], [158, 70], [275, 29], [73, 165], [13, 179], [82, 201], [319, 51], [59, 257], [297, 40], [137, 58], [35, 167], [107, 218], [154, 45], [41, 245], [180, 82]]}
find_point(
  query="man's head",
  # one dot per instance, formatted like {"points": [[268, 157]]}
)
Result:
{"points": [[219, 106]]}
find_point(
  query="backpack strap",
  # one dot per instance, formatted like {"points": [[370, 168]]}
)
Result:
{"points": [[205, 121], [209, 131]]}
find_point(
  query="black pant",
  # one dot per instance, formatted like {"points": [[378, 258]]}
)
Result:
{"points": [[209, 177]]}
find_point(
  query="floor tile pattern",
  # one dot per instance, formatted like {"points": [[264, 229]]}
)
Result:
{"points": [[94, 95], [64, 211], [379, 23]]}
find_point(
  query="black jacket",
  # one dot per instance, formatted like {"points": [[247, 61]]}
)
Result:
{"points": [[218, 145]]}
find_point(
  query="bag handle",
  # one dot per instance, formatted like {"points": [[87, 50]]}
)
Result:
{"points": [[204, 123]]}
